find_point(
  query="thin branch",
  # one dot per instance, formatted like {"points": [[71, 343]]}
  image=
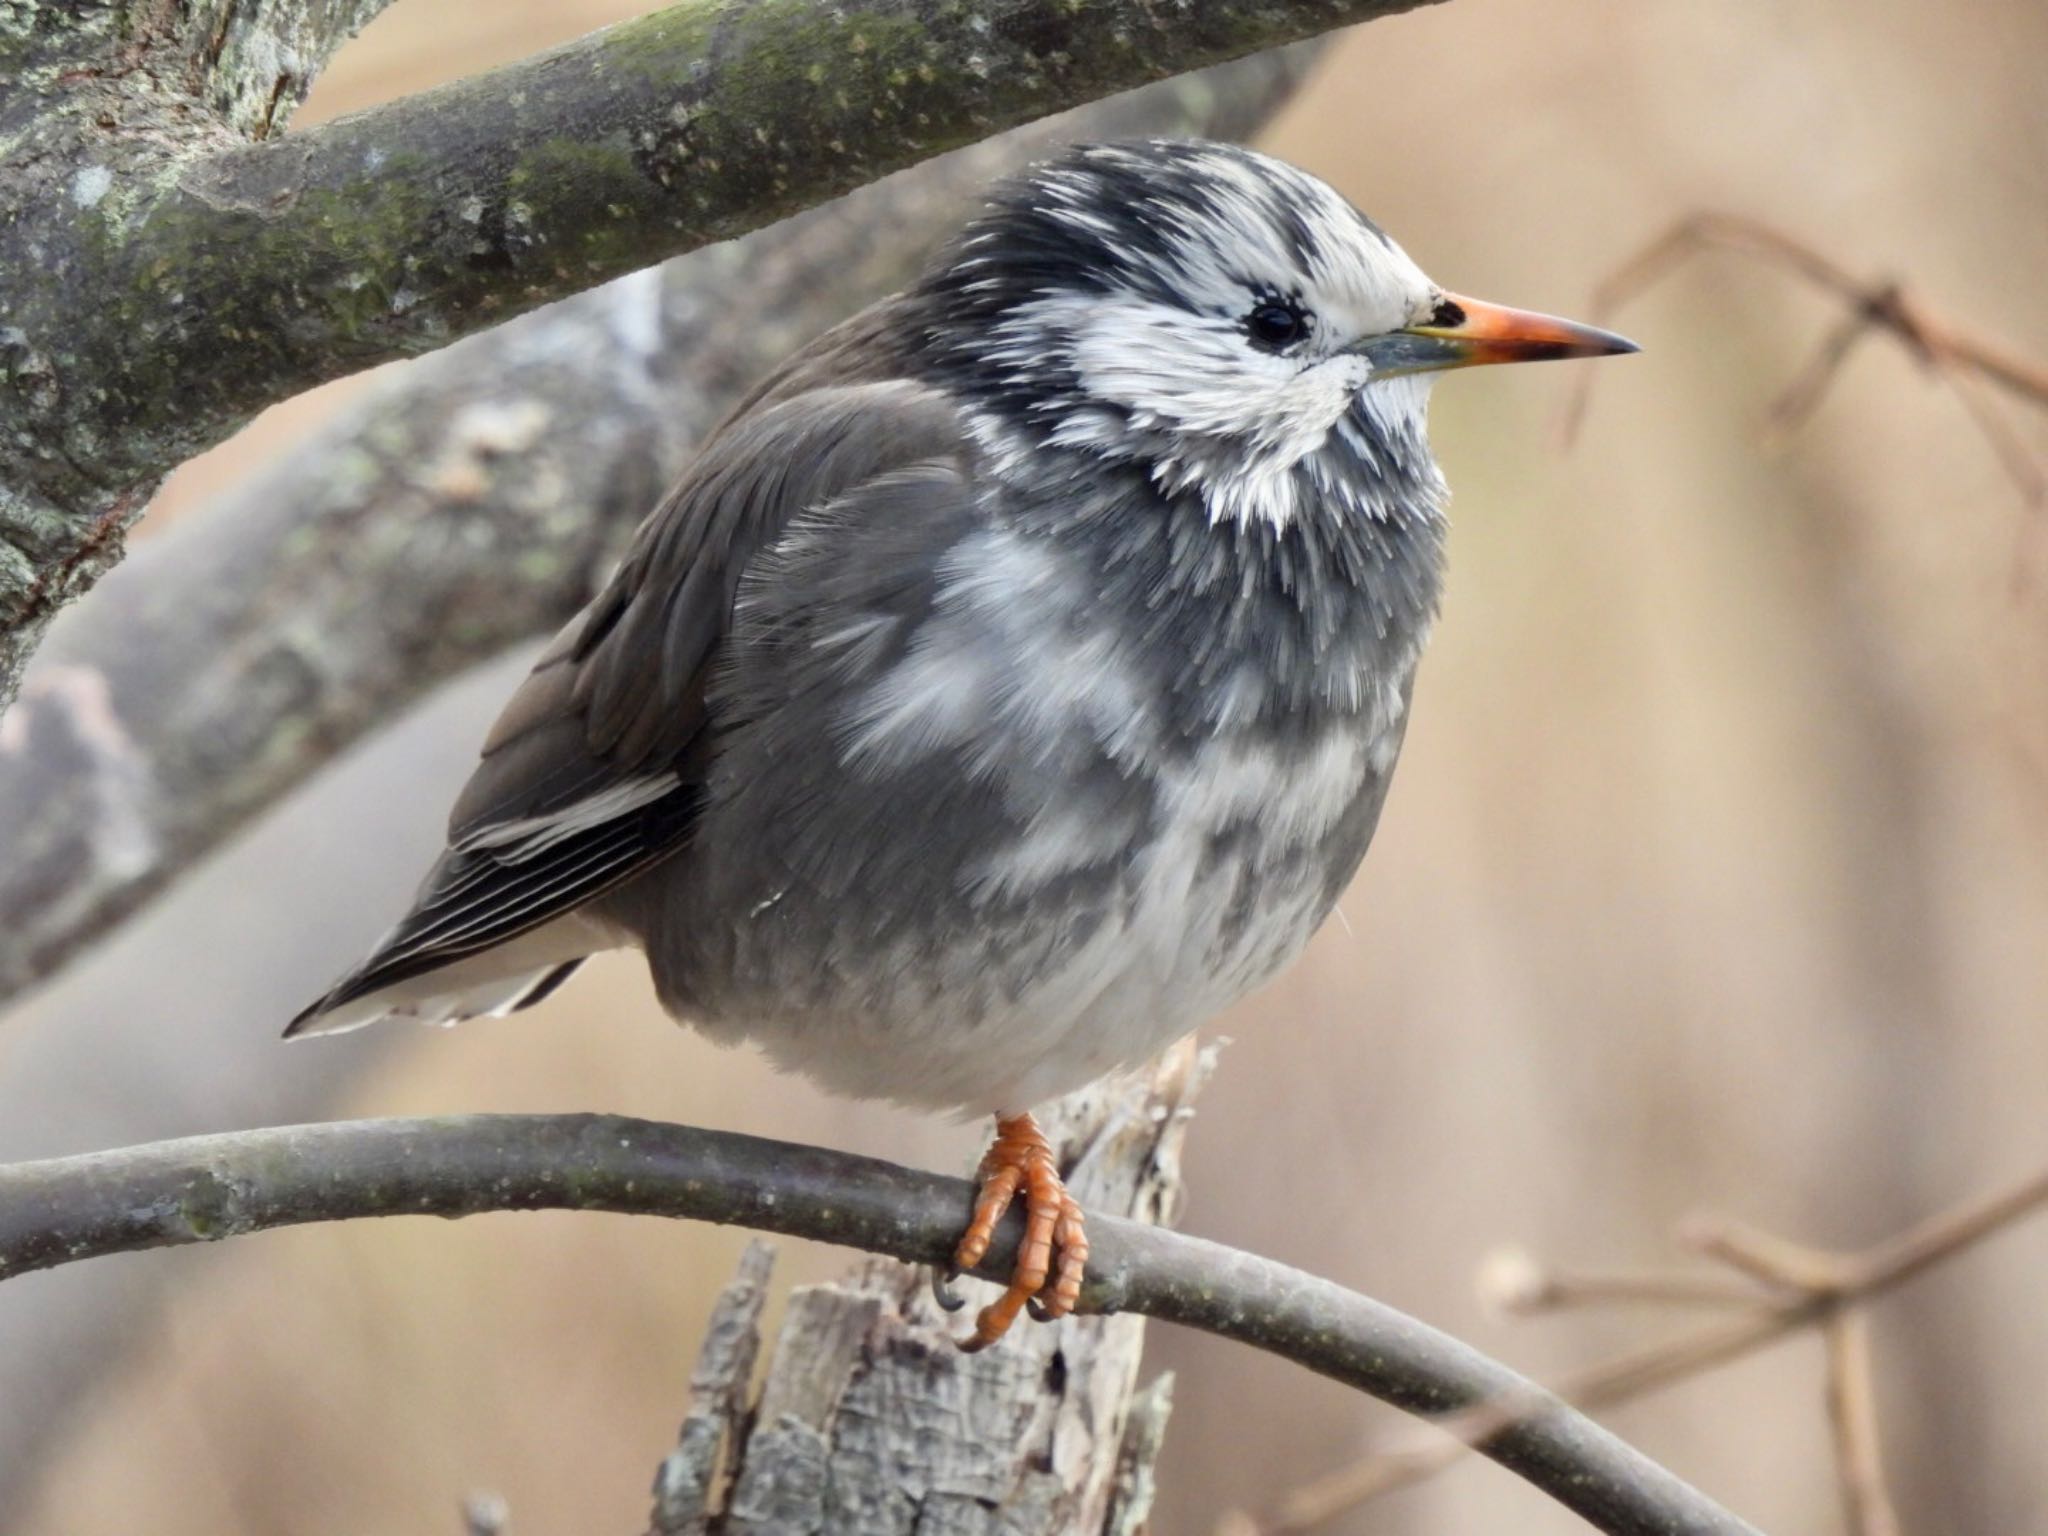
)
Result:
{"points": [[2021, 466], [1773, 1264], [210, 1187], [1942, 1236], [1791, 1288], [1512, 1281], [1852, 1420], [1617, 1380], [1962, 359], [1795, 404]]}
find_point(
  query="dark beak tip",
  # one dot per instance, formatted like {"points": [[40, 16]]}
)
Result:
{"points": [[1595, 342]]}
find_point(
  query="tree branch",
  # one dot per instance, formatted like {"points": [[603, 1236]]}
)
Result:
{"points": [[398, 229], [168, 279], [210, 1187], [1852, 1421], [1784, 1288], [1967, 362], [252, 61], [465, 506]]}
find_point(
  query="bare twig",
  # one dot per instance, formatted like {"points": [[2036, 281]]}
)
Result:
{"points": [[1617, 1380], [1512, 1280], [1773, 1263], [1789, 1287], [1963, 360], [1852, 1416], [206, 1188]]}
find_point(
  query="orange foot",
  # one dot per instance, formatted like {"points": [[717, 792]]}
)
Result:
{"points": [[1054, 1253]]}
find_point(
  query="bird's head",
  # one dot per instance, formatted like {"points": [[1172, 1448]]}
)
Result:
{"points": [[1225, 320]]}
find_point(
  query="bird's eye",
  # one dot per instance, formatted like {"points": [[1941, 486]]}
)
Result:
{"points": [[1276, 324]]}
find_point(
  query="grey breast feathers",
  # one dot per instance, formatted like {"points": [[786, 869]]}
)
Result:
{"points": [[595, 769]]}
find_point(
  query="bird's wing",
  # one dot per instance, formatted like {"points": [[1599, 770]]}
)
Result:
{"points": [[593, 771]]}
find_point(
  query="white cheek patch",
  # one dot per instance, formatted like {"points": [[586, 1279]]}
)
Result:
{"points": [[1235, 421], [1162, 371], [1168, 368], [1179, 374]]}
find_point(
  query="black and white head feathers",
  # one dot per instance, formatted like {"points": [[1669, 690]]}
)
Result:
{"points": [[1194, 307]]}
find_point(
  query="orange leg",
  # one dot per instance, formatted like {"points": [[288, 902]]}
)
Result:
{"points": [[1054, 1253]]}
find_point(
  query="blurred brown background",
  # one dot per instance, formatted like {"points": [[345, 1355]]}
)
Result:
{"points": [[1716, 872]]}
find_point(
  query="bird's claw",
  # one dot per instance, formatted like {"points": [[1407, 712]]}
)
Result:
{"points": [[944, 1290], [1054, 1252]]}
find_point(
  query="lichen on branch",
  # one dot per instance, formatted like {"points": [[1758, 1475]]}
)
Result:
{"points": [[176, 264]]}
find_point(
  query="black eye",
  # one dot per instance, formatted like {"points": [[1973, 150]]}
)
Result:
{"points": [[1447, 315], [1275, 324]]}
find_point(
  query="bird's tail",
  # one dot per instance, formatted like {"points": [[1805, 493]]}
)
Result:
{"points": [[489, 984]]}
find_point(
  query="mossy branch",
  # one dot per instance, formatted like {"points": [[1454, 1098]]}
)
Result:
{"points": [[210, 1187], [265, 267], [170, 274]]}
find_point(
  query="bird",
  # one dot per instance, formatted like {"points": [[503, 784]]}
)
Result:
{"points": [[1010, 682]]}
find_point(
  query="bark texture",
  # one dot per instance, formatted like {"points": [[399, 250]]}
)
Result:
{"points": [[107, 104], [870, 1420], [176, 264]]}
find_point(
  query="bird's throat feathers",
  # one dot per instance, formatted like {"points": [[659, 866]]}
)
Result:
{"points": [[1365, 455], [1304, 589], [1362, 454]]}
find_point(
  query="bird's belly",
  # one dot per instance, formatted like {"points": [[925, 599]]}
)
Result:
{"points": [[1007, 967]]}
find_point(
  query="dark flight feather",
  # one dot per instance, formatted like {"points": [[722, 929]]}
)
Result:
{"points": [[594, 769]]}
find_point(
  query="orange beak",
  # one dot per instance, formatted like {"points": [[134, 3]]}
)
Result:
{"points": [[1464, 333]]}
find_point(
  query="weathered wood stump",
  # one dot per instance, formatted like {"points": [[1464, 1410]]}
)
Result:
{"points": [[870, 1421]]}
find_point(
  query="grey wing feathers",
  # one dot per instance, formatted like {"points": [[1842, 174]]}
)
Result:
{"points": [[594, 769]]}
